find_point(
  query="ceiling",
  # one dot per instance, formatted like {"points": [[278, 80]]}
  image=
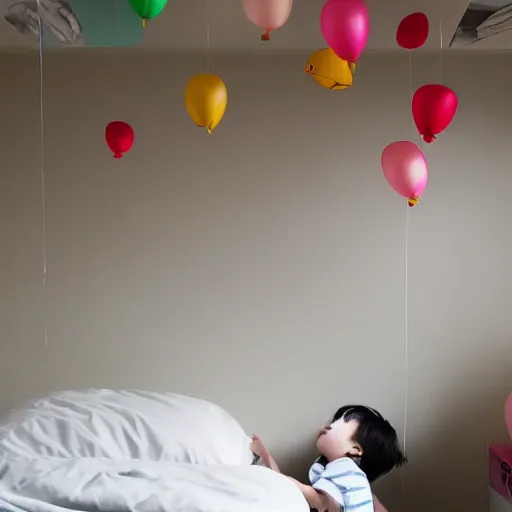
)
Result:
{"points": [[182, 25]]}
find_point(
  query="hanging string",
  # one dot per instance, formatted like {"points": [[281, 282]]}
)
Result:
{"points": [[410, 90], [42, 159], [406, 313], [113, 12], [440, 53], [406, 353], [208, 22], [406, 333], [411, 95], [410, 75]]}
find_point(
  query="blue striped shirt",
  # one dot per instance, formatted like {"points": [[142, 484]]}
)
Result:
{"points": [[343, 481]]}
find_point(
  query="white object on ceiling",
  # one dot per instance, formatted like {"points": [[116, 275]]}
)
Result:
{"points": [[182, 26], [57, 16], [486, 25]]}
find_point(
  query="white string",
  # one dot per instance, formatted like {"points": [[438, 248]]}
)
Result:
{"points": [[440, 52], [42, 157], [410, 90], [208, 46], [410, 75], [406, 355], [407, 207], [207, 36], [406, 313], [406, 333], [113, 13]]}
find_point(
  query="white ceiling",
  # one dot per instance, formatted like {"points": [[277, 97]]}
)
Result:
{"points": [[182, 25]]}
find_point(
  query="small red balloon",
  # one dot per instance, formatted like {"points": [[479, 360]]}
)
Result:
{"points": [[433, 108], [119, 136], [412, 32]]}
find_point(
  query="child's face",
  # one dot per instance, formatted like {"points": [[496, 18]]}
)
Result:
{"points": [[337, 440]]}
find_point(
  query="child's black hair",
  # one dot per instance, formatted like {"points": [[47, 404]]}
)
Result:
{"points": [[377, 438]]}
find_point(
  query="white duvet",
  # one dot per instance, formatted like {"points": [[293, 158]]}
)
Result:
{"points": [[127, 424], [55, 485], [133, 451]]}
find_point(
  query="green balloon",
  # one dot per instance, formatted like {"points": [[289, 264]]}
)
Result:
{"points": [[148, 9]]}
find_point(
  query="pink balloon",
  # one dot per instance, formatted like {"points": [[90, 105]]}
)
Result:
{"points": [[268, 14], [508, 414], [405, 168], [345, 27]]}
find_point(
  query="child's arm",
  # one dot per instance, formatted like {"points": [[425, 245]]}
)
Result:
{"points": [[260, 449], [318, 500], [271, 463]]}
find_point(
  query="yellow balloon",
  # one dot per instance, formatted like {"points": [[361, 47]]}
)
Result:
{"points": [[329, 71], [206, 98]]}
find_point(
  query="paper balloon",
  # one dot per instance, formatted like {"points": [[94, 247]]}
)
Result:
{"points": [[508, 414], [433, 108], [206, 98], [119, 137], [345, 27], [268, 14], [148, 9], [405, 168], [329, 71], [412, 32]]}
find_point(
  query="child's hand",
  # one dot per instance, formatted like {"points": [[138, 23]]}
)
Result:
{"points": [[259, 449], [257, 445]]}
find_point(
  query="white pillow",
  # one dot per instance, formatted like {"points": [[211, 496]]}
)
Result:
{"points": [[125, 425]]}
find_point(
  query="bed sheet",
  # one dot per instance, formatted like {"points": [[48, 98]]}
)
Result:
{"points": [[57, 485]]}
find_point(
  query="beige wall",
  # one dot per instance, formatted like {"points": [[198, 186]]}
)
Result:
{"points": [[263, 267]]}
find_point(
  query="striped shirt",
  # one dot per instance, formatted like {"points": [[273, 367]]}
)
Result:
{"points": [[343, 481]]}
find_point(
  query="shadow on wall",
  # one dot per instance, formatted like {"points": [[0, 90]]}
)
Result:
{"points": [[455, 446]]}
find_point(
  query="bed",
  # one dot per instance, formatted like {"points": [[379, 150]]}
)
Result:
{"points": [[133, 451]]}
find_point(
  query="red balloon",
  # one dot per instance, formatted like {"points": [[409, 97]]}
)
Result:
{"points": [[433, 108], [412, 32], [119, 136]]}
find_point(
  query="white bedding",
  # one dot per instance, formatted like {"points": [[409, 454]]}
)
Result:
{"points": [[125, 425], [133, 451], [92, 485]]}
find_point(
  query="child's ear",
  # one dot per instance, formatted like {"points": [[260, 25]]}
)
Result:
{"points": [[356, 451]]}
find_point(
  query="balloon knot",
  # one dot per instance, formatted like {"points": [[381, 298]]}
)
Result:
{"points": [[429, 137], [266, 35], [412, 201], [143, 22], [118, 155]]}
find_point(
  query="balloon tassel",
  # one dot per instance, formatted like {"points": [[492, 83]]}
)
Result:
{"points": [[144, 23], [266, 35], [429, 137], [412, 201]]}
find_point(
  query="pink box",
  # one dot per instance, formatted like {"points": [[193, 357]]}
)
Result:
{"points": [[500, 470]]}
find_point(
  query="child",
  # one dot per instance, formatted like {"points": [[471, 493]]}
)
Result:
{"points": [[356, 448]]}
